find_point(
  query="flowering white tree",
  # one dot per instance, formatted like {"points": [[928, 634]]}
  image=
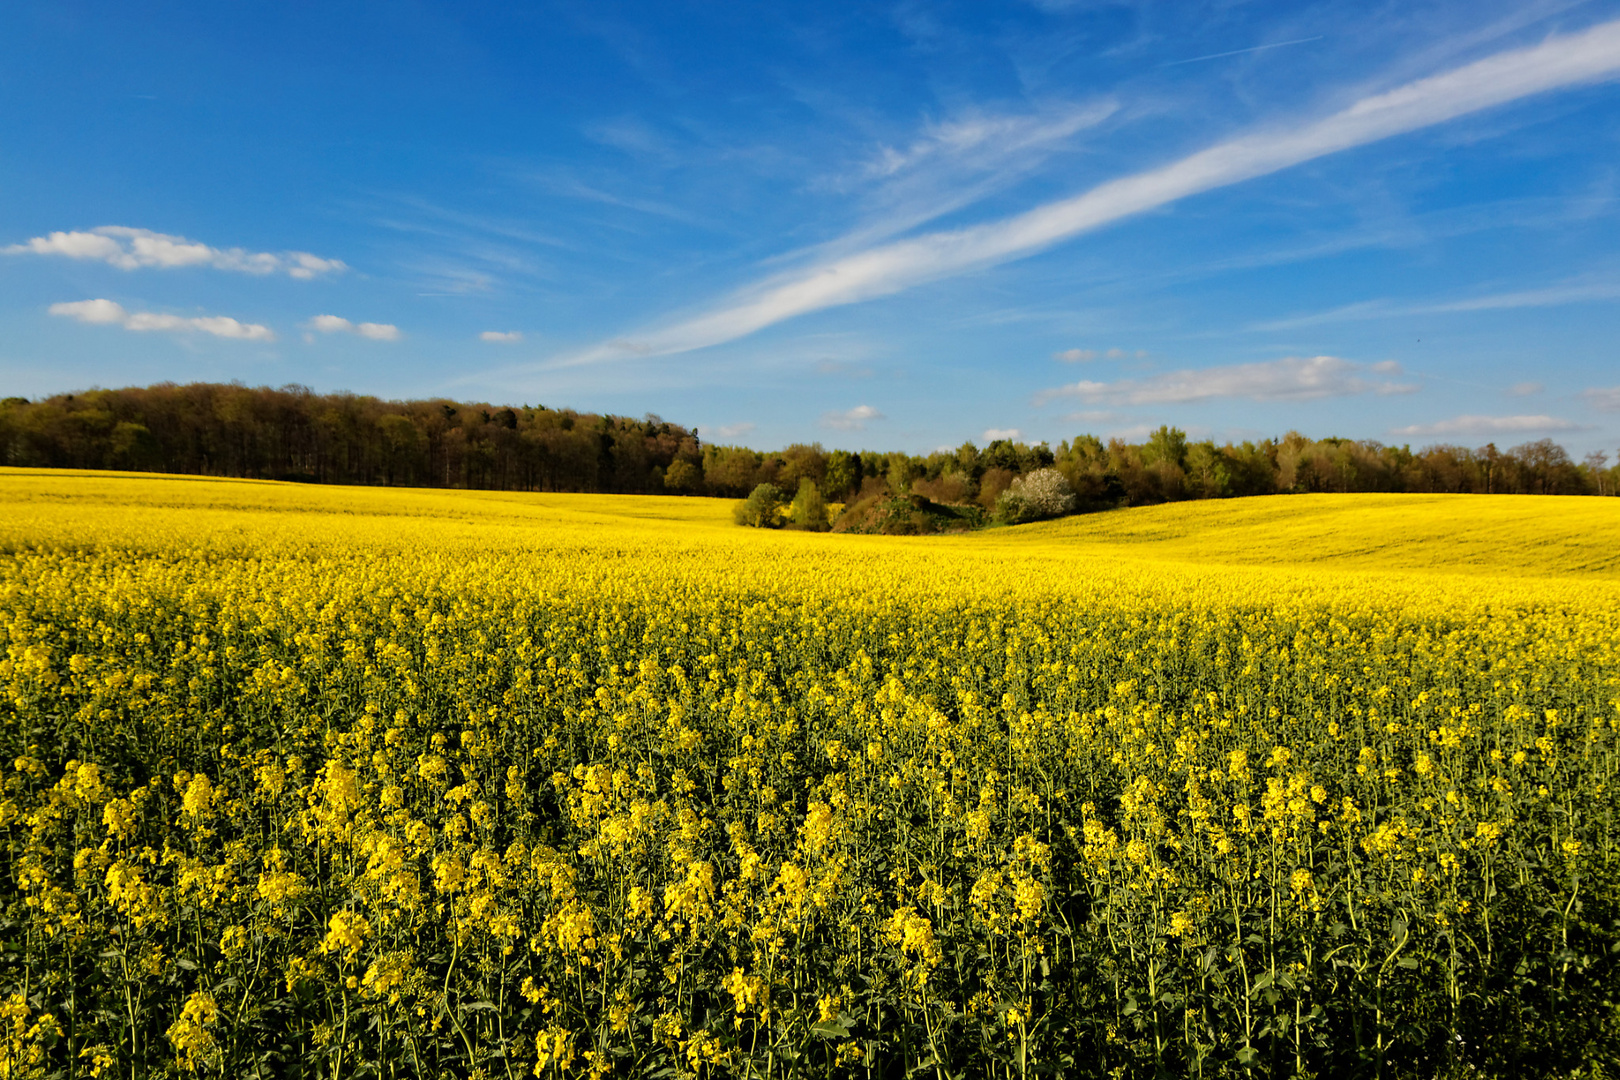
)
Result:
{"points": [[1044, 493]]}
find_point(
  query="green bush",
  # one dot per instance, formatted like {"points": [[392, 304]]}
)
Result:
{"points": [[809, 510], [761, 510]]}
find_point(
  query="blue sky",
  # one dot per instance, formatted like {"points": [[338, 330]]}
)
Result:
{"points": [[888, 225]]}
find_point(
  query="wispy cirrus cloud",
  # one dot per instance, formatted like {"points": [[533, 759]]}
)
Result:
{"points": [[133, 249], [854, 419], [337, 324], [502, 337], [949, 165], [883, 269], [1487, 425], [1293, 378], [1605, 398], [111, 313], [985, 141]]}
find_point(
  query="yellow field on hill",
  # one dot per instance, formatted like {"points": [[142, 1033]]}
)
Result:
{"points": [[324, 781], [1506, 535]]}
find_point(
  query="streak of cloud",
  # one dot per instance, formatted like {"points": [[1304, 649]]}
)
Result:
{"points": [[1487, 425], [1291, 379], [1559, 62], [132, 249], [110, 313]]}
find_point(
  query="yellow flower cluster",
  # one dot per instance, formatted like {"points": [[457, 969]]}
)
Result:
{"points": [[477, 784]]}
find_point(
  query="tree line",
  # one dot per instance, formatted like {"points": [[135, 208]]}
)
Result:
{"points": [[292, 433], [1166, 467]]}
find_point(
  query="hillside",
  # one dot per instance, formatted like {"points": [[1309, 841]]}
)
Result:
{"points": [[1511, 534], [1516, 536]]}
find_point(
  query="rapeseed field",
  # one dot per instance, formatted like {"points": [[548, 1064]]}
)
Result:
{"points": [[347, 782]]}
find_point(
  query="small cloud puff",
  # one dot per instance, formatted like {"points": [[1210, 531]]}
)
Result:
{"points": [[131, 249], [1011, 434], [1525, 389], [337, 324], [505, 337], [854, 419], [91, 311], [108, 312], [1082, 356], [733, 431]]}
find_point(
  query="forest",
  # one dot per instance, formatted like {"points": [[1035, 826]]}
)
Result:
{"points": [[293, 433]]}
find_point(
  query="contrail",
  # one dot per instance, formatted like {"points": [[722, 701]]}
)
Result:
{"points": [[1240, 52], [1562, 61]]}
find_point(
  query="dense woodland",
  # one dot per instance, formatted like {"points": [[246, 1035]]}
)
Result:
{"points": [[293, 433]]}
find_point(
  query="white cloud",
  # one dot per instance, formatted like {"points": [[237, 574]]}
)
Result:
{"points": [[108, 312], [503, 336], [1011, 434], [1526, 389], [1075, 356], [733, 431], [75, 245], [337, 324], [1294, 378], [91, 311], [227, 327], [1606, 398], [854, 419], [1487, 425], [131, 249], [1557, 62]]}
